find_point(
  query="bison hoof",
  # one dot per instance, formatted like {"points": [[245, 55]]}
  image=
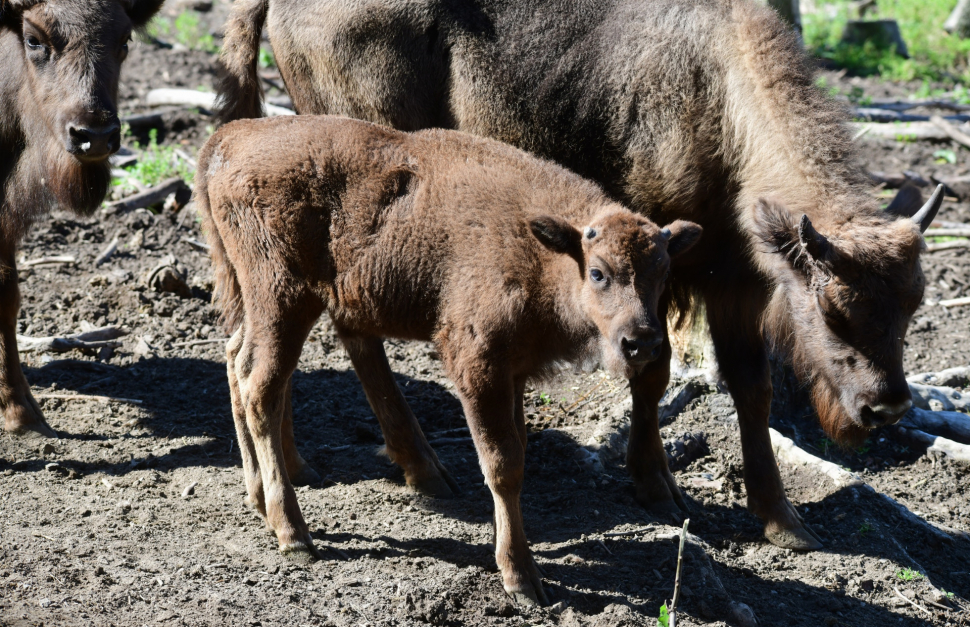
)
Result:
{"points": [[800, 538], [439, 486], [300, 552], [27, 424], [306, 476]]}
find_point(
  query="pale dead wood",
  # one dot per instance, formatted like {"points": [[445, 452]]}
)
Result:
{"points": [[948, 398], [108, 252], [196, 244], [149, 197], [960, 232], [198, 342], [937, 246], [90, 397], [96, 338], [953, 132], [909, 130], [955, 302], [937, 444], [202, 99], [45, 261], [949, 424], [911, 602], [906, 105]]}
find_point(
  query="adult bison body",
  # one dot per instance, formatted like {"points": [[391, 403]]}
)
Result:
{"points": [[702, 110], [58, 126], [506, 262]]}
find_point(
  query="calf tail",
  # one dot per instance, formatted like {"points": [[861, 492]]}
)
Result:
{"points": [[240, 94], [228, 294]]}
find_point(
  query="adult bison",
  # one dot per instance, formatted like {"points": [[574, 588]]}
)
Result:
{"points": [[58, 126], [702, 110]]}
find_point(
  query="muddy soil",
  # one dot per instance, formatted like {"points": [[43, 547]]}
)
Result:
{"points": [[135, 515]]}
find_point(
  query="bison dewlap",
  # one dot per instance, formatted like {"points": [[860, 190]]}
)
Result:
{"points": [[507, 263]]}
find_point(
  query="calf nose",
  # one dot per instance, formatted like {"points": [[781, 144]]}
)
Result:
{"points": [[94, 143], [641, 350], [889, 413]]}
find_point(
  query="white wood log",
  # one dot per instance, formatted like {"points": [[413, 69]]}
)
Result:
{"points": [[203, 99], [936, 444]]}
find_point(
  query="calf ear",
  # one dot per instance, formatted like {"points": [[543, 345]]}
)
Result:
{"points": [[681, 236], [557, 235], [140, 11]]}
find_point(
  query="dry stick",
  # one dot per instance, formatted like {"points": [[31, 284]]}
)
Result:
{"points": [[45, 261], [91, 397], [954, 232], [108, 252], [955, 134], [933, 247], [147, 198], [632, 532], [96, 338], [672, 613], [911, 602], [955, 302], [197, 342], [196, 243]]}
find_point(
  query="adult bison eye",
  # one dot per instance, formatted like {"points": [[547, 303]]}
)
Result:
{"points": [[33, 43], [596, 275]]}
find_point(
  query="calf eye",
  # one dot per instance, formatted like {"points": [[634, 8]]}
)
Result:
{"points": [[596, 275], [33, 43]]}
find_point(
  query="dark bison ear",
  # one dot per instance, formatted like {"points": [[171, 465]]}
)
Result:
{"points": [[681, 236], [557, 235], [141, 11], [906, 202]]}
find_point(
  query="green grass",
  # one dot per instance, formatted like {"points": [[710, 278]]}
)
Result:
{"points": [[935, 54], [664, 619], [865, 528], [545, 399], [940, 239], [186, 29], [908, 574], [266, 58], [155, 164]]}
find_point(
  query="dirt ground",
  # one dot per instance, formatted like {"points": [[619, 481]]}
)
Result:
{"points": [[135, 515]]}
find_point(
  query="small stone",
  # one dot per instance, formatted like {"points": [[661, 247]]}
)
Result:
{"points": [[867, 585], [47, 449], [53, 467], [189, 490], [558, 608], [85, 514], [143, 347], [44, 602], [743, 615], [99, 570]]}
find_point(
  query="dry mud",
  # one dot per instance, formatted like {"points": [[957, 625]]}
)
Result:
{"points": [[98, 527]]}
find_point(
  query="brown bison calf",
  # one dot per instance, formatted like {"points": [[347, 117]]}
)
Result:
{"points": [[506, 262]]}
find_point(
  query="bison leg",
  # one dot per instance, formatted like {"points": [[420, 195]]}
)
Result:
{"points": [[404, 440], [22, 415], [299, 471], [743, 363], [263, 366], [254, 482], [646, 459], [499, 434]]}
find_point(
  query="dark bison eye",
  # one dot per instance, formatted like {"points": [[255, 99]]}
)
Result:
{"points": [[33, 43], [596, 275]]}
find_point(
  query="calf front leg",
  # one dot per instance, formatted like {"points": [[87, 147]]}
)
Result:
{"points": [[499, 435], [404, 440], [22, 415], [743, 363]]}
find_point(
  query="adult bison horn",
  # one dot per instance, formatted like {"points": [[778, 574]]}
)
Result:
{"points": [[812, 241], [924, 217]]}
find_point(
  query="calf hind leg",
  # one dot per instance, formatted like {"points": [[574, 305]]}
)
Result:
{"points": [[235, 372], [403, 438], [299, 471]]}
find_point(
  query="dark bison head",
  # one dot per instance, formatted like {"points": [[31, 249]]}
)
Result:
{"points": [[625, 259], [67, 68], [841, 308]]}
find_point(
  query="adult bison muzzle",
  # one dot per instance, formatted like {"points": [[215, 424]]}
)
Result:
{"points": [[58, 126], [700, 110]]}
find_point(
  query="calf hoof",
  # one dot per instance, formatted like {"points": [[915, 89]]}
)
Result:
{"points": [[306, 476], [301, 552], [26, 422], [531, 592], [797, 538], [439, 486]]}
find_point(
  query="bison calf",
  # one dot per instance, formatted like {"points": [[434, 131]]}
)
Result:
{"points": [[506, 262]]}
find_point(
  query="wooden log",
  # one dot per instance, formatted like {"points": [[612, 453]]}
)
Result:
{"points": [[147, 198], [906, 105], [902, 131], [936, 444], [96, 338], [203, 99], [953, 132], [876, 114], [950, 377], [949, 424], [947, 397], [934, 247]]}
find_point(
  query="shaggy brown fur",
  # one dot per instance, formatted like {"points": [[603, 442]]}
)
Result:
{"points": [[507, 263], [58, 126], [681, 109]]}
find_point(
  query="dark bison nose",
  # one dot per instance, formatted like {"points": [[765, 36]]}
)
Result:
{"points": [[641, 350], [94, 143], [882, 414]]}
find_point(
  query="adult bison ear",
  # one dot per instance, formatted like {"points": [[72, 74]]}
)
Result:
{"points": [[906, 202], [141, 11], [557, 235], [776, 227], [681, 236], [812, 242]]}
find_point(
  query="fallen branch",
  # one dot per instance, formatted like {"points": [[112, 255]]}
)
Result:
{"points": [[96, 338], [108, 252], [906, 105], [147, 198], [202, 99], [948, 398], [950, 377], [878, 114], [90, 397], [953, 132], [965, 232], [937, 444], [896, 130], [631, 532], [937, 246], [45, 261], [198, 342], [680, 558], [196, 244], [911, 602], [950, 424], [895, 181]]}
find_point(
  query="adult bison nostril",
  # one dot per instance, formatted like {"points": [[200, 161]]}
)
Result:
{"points": [[888, 413], [94, 144], [640, 350]]}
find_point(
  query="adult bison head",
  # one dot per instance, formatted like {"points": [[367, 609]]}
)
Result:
{"points": [[841, 305], [65, 58]]}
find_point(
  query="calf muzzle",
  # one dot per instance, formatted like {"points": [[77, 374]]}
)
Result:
{"points": [[94, 143], [639, 351], [886, 413]]}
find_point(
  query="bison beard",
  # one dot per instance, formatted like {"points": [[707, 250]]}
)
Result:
{"points": [[63, 182]]}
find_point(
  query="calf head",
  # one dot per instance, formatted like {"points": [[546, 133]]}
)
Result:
{"points": [[69, 62], [841, 306], [624, 260]]}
